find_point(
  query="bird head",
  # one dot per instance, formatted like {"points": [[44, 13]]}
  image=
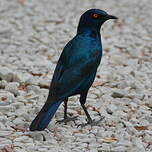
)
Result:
{"points": [[93, 19]]}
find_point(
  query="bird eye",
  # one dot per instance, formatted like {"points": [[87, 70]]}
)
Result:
{"points": [[95, 15]]}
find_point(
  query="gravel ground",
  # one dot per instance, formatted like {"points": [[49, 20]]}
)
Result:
{"points": [[33, 34]]}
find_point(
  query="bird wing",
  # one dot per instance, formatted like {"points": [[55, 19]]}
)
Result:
{"points": [[72, 70], [76, 76]]}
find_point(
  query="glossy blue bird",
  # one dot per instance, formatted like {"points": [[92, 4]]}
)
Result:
{"points": [[76, 68]]}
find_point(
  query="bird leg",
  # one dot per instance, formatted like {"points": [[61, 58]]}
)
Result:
{"points": [[66, 118], [86, 112], [90, 121], [65, 109]]}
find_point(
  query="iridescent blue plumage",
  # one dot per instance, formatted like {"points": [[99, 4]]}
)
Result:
{"points": [[76, 68]]}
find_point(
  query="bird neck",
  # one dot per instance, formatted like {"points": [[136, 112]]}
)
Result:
{"points": [[94, 33]]}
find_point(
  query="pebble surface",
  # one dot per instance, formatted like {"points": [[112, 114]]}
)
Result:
{"points": [[32, 36]]}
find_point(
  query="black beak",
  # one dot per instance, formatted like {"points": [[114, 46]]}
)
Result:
{"points": [[111, 17]]}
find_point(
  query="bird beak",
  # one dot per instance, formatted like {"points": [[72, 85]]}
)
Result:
{"points": [[111, 17]]}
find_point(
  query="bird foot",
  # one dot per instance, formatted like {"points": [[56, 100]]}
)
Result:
{"points": [[91, 122], [67, 119]]}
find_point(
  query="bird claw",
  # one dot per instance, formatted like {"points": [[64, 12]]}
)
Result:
{"points": [[67, 119], [91, 122]]}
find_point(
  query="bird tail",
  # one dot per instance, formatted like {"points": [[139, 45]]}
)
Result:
{"points": [[43, 118]]}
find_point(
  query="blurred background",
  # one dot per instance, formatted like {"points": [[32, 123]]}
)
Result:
{"points": [[32, 36]]}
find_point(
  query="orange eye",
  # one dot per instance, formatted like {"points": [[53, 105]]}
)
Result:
{"points": [[95, 15]]}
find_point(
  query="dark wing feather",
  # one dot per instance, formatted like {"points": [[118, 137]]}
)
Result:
{"points": [[78, 60], [76, 76]]}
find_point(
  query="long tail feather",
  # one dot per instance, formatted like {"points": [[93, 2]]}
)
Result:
{"points": [[43, 118]]}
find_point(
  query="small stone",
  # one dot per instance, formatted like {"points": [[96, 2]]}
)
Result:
{"points": [[6, 74], [118, 94], [23, 139], [144, 122], [136, 95], [37, 136], [32, 81], [3, 119], [12, 87], [4, 133], [3, 83], [5, 108], [137, 142], [18, 121], [18, 105], [17, 149], [123, 85], [6, 97], [42, 149], [119, 148], [34, 88], [2, 126], [50, 27], [117, 59], [111, 108]]}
